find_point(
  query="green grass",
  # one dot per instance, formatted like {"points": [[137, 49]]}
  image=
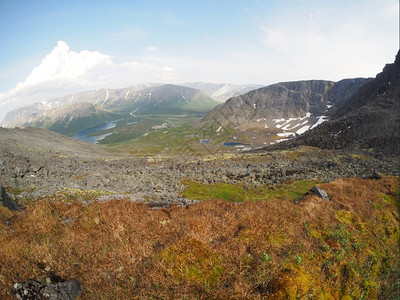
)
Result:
{"points": [[239, 193], [179, 138]]}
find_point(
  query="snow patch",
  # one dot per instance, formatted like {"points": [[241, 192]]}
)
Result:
{"points": [[279, 120], [287, 121], [106, 98], [321, 119], [126, 95], [303, 129], [278, 141], [286, 134]]}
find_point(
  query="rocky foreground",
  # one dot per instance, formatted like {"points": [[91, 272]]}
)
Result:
{"points": [[35, 163]]}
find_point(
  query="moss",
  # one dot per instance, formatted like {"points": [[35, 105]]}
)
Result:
{"points": [[345, 216], [290, 190], [70, 194], [315, 231], [392, 199], [296, 283], [193, 262], [15, 191]]}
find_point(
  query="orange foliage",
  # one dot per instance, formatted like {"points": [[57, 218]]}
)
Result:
{"points": [[214, 249]]}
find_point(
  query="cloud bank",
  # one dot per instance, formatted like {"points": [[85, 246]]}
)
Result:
{"points": [[64, 71]]}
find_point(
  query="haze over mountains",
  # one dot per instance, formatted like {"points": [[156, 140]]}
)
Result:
{"points": [[111, 98], [76, 112], [222, 91], [259, 117]]}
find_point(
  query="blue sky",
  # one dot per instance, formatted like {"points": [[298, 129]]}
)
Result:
{"points": [[51, 48]]}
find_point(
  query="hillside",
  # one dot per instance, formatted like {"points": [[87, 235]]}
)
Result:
{"points": [[164, 99], [368, 120], [282, 110]]}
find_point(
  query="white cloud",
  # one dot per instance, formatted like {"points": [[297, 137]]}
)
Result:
{"points": [[63, 64], [65, 71]]}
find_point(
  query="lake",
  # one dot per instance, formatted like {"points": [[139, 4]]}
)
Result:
{"points": [[235, 144], [84, 135]]}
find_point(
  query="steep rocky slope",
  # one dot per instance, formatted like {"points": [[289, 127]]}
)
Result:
{"points": [[284, 109], [368, 120]]}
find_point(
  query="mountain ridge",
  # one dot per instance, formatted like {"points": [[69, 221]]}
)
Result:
{"points": [[283, 109], [110, 104], [368, 120]]}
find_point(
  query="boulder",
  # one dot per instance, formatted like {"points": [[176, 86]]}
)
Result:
{"points": [[376, 175], [6, 200], [320, 193], [31, 290]]}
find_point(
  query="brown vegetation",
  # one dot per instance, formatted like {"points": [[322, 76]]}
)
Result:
{"points": [[276, 249]]}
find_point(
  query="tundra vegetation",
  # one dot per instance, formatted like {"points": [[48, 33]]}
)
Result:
{"points": [[280, 243]]}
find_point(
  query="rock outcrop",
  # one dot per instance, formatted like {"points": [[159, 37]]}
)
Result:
{"points": [[5, 200], [33, 290], [320, 193]]}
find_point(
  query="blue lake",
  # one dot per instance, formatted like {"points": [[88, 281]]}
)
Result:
{"points": [[83, 135], [234, 144]]}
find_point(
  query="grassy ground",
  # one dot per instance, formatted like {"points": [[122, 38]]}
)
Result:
{"points": [[177, 138], [346, 248], [240, 193]]}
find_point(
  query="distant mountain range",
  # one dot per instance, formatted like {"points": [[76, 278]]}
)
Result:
{"points": [[224, 91], [359, 112], [79, 111]]}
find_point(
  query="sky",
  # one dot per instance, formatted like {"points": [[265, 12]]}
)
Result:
{"points": [[53, 48]]}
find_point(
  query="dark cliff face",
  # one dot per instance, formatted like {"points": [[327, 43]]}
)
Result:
{"points": [[344, 89], [368, 120]]}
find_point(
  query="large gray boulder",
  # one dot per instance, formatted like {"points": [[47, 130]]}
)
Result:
{"points": [[320, 193], [32, 290], [6, 200]]}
